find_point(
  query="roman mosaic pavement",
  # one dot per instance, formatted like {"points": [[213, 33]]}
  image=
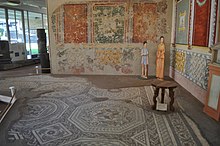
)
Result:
{"points": [[71, 111]]}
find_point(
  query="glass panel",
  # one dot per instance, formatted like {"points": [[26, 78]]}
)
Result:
{"points": [[19, 27], [214, 92], [12, 26], [27, 35], [35, 22], [3, 27], [46, 27]]}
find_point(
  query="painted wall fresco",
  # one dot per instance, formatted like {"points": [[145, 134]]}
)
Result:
{"points": [[201, 22], [95, 60], [145, 22], [105, 46], [109, 23], [75, 23], [180, 58], [56, 24], [148, 21], [109, 56], [197, 68], [192, 65], [182, 23]]}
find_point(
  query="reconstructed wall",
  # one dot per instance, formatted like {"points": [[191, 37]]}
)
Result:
{"points": [[190, 69], [195, 32], [105, 37]]}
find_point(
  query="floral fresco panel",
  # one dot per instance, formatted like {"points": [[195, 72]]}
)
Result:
{"points": [[109, 23], [145, 22]]}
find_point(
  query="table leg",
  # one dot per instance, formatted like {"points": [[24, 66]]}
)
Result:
{"points": [[162, 95], [171, 95], [156, 92]]}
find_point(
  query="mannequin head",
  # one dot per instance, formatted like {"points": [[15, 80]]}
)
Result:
{"points": [[161, 39], [145, 44]]}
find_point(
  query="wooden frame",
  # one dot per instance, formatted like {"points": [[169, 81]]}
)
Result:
{"points": [[214, 113]]}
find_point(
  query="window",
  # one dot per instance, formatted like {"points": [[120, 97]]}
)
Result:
{"points": [[46, 27], [35, 22], [19, 27], [3, 26], [28, 45], [22, 25], [12, 26], [15, 26]]}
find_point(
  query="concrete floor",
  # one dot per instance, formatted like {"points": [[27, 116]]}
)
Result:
{"points": [[210, 128]]}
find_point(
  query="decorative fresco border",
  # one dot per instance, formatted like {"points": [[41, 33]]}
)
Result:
{"points": [[213, 22]]}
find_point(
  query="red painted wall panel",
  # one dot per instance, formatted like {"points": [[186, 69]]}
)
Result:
{"points": [[201, 22], [75, 23], [145, 22]]}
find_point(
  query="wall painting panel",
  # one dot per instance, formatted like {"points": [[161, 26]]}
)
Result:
{"points": [[75, 23], [182, 24], [201, 22], [145, 22], [109, 23], [180, 58], [192, 65]]}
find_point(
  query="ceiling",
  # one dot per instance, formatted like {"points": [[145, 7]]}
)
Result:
{"points": [[40, 4], [35, 3]]}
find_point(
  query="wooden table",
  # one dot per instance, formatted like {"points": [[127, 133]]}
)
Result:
{"points": [[161, 84]]}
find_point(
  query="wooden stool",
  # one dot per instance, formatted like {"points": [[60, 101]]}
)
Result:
{"points": [[160, 84]]}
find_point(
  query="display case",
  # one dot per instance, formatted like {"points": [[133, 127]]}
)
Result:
{"points": [[212, 103], [216, 54]]}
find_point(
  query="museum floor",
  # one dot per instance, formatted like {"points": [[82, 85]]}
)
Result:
{"points": [[98, 110]]}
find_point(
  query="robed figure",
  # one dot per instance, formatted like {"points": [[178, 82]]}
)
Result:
{"points": [[160, 59]]}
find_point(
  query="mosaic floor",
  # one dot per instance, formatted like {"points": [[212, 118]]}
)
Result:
{"points": [[71, 111]]}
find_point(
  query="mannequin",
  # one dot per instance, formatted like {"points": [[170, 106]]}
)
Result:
{"points": [[144, 60], [160, 59]]}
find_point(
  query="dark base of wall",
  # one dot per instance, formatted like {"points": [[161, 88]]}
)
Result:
{"points": [[18, 64]]}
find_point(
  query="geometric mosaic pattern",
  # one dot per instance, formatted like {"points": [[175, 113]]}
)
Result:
{"points": [[192, 65], [96, 116], [51, 133], [123, 93], [107, 117], [95, 142], [42, 110]]}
